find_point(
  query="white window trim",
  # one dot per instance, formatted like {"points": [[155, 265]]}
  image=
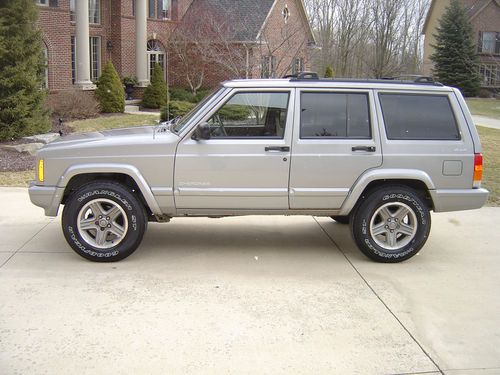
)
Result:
{"points": [[42, 3]]}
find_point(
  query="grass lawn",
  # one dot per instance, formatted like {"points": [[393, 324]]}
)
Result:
{"points": [[484, 107], [16, 179], [113, 122], [490, 139]]}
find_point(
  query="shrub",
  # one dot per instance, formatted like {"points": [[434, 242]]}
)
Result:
{"points": [[234, 112], [329, 72], [180, 95], [176, 108], [74, 104], [183, 95], [156, 94], [110, 90], [22, 101], [485, 94]]}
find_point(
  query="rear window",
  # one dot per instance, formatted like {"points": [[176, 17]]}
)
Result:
{"points": [[418, 117], [334, 115]]}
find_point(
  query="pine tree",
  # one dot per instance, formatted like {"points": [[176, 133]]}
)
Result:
{"points": [[455, 58], [22, 63], [110, 93], [156, 94]]}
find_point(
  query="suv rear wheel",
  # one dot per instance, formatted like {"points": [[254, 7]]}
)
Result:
{"points": [[391, 224], [103, 221]]}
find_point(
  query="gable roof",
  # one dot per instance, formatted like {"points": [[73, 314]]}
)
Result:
{"points": [[244, 18]]}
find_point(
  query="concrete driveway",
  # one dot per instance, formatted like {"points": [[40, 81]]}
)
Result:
{"points": [[252, 295]]}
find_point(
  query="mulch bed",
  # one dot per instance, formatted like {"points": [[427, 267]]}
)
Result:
{"points": [[11, 161]]}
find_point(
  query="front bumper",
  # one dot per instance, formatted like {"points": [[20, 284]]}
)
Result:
{"points": [[458, 199], [47, 197]]}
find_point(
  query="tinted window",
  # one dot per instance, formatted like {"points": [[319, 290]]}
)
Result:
{"points": [[427, 117], [334, 115], [251, 114]]}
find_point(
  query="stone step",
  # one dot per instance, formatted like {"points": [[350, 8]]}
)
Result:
{"points": [[132, 108]]}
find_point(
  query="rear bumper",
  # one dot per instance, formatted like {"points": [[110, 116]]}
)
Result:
{"points": [[47, 197], [458, 199]]}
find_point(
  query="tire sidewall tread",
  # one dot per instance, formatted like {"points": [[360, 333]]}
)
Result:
{"points": [[360, 225], [118, 193]]}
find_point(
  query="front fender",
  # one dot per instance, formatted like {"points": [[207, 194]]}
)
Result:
{"points": [[126, 169]]}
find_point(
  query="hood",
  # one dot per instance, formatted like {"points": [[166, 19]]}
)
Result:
{"points": [[127, 133]]}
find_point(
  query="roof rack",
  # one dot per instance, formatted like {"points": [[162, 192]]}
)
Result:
{"points": [[403, 79]]}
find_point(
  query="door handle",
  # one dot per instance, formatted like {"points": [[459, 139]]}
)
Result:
{"points": [[364, 148], [277, 148]]}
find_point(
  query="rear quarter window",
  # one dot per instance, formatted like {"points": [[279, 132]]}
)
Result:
{"points": [[418, 117]]}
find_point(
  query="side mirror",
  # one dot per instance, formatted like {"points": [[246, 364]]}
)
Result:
{"points": [[202, 131]]}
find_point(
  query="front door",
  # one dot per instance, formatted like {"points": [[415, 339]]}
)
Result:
{"points": [[245, 164]]}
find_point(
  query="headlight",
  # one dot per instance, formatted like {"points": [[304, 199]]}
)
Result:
{"points": [[40, 170]]}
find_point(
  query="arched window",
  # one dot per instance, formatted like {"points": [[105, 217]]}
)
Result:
{"points": [[156, 54], [45, 84]]}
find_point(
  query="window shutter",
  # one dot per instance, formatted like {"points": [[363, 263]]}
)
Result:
{"points": [[497, 45], [53, 3], [159, 9], [174, 15], [480, 42]]}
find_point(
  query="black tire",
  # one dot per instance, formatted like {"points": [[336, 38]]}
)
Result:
{"points": [[127, 216], [341, 219], [402, 237]]}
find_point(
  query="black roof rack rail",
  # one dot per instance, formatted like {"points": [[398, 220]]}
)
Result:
{"points": [[303, 76], [403, 79]]}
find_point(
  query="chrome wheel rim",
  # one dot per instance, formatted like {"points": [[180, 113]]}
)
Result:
{"points": [[102, 223], [393, 226]]}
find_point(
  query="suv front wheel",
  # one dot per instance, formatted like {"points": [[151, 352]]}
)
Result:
{"points": [[391, 224], [103, 221]]}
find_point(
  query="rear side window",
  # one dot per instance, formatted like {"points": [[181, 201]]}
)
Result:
{"points": [[418, 117], [334, 115]]}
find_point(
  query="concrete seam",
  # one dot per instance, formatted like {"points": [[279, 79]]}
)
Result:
{"points": [[24, 244], [380, 298]]}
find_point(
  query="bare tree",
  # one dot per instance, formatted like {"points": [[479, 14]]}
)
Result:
{"points": [[369, 38]]}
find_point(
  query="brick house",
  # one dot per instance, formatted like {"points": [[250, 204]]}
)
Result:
{"points": [[484, 16], [135, 35]]}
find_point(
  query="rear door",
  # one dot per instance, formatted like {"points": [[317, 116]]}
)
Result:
{"points": [[335, 141]]}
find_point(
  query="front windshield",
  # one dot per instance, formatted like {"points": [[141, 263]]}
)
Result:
{"points": [[179, 125]]}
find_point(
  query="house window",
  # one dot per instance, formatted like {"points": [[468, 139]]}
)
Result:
{"points": [[268, 69], [160, 9], [42, 2], [94, 11], [490, 74], [298, 65], [156, 55], [95, 58], [489, 42], [45, 83]]}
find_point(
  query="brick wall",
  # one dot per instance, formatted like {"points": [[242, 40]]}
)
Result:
{"points": [[118, 27]]}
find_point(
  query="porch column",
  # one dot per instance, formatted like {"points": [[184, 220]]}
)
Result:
{"points": [[82, 46], [141, 39]]}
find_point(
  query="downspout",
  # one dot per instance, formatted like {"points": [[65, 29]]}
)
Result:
{"points": [[247, 62]]}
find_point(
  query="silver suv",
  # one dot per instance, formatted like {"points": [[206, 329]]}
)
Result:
{"points": [[378, 155]]}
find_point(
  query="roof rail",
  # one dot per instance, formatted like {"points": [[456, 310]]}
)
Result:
{"points": [[303, 76]]}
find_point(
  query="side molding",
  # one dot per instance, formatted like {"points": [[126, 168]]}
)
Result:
{"points": [[126, 169], [378, 175]]}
